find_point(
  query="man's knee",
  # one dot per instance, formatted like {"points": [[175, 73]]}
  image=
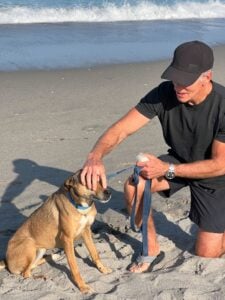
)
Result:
{"points": [[159, 184], [209, 253], [209, 244], [129, 185]]}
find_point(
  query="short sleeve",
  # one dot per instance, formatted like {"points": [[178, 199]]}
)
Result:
{"points": [[221, 132], [153, 103]]}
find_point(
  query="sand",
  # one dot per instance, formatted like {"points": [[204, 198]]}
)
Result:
{"points": [[49, 121]]}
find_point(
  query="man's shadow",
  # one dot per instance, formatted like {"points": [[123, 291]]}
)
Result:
{"points": [[28, 171]]}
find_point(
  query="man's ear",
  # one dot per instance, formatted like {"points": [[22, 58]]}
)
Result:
{"points": [[206, 76]]}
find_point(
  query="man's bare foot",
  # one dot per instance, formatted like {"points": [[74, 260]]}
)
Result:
{"points": [[139, 267], [145, 264]]}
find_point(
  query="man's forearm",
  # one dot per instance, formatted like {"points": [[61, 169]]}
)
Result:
{"points": [[107, 142], [200, 169]]}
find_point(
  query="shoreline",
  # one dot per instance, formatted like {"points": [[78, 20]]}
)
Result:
{"points": [[218, 49]]}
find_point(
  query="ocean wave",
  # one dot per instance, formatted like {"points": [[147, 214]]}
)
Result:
{"points": [[112, 13]]}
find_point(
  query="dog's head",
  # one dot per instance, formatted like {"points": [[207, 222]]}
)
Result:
{"points": [[81, 193]]}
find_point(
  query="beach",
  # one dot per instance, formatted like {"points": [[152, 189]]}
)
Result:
{"points": [[49, 121]]}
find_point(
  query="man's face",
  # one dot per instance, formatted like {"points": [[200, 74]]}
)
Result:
{"points": [[187, 93]]}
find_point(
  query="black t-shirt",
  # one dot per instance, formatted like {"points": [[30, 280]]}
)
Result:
{"points": [[188, 130]]}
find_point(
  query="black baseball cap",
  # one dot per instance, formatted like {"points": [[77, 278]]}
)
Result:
{"points": [[190, 60]]}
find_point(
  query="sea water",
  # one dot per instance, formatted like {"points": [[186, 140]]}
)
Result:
{"points": [[54, 34]]}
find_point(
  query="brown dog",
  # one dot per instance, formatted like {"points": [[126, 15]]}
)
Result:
{"points": [[64, 217]]}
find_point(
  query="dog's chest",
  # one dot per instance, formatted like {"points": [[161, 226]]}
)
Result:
{"points": [[83, 222]]}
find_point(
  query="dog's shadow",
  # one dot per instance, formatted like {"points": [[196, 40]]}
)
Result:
{"points": [[27, 171]]}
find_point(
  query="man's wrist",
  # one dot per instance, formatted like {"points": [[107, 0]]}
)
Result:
{"points": [[170, 173], [94, 156]]}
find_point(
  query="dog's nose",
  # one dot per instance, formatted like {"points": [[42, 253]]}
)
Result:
{"points": [[108, 192]]}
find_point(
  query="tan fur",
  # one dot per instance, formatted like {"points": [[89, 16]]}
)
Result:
{"points": [[56, 224]]}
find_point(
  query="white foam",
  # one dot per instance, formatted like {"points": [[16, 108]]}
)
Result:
{"points": [[111, 13]]}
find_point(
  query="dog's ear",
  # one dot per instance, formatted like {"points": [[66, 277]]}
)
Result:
{"points": [[72, 180]]}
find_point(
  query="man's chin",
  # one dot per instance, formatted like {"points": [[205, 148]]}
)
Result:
{"points": [[183, 97]]}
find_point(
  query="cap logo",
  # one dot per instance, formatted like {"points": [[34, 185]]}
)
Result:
{"points": [[193, 68]]}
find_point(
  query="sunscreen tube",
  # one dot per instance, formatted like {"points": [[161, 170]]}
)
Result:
{"points": [[141, 157]]}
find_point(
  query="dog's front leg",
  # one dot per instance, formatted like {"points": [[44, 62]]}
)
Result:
{"points": [[69, 251], [89, 243]]}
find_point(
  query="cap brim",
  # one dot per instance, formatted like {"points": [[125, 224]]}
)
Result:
{"points": [[179, 76]]}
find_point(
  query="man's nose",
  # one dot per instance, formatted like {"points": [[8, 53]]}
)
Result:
{"points": [[178, 86]]}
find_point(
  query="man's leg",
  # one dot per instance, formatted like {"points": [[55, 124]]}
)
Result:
{"points": [[210, 244], [129, 191], [207, 211]]}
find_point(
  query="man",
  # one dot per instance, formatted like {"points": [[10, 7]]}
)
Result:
{"points": [[191, 110]]}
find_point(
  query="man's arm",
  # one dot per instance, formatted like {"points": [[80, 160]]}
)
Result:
{"points": [[207, 168], [156, 168], [93, 169]]}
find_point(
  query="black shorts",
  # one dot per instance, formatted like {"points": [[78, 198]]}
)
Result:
{"points": [[207, 205]]}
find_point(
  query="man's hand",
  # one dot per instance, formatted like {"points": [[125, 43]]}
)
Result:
{"points": [[93, 172], [153, 168]]}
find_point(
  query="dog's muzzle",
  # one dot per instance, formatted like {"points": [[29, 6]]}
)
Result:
{"points": [[105, 197]]}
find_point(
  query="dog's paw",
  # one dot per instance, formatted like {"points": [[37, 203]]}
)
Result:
{"points": [[26, 274], [103, 269], [86, 289], [107, 270]]}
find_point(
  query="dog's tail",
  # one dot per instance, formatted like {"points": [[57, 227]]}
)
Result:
{"points": [[2, 265]]}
